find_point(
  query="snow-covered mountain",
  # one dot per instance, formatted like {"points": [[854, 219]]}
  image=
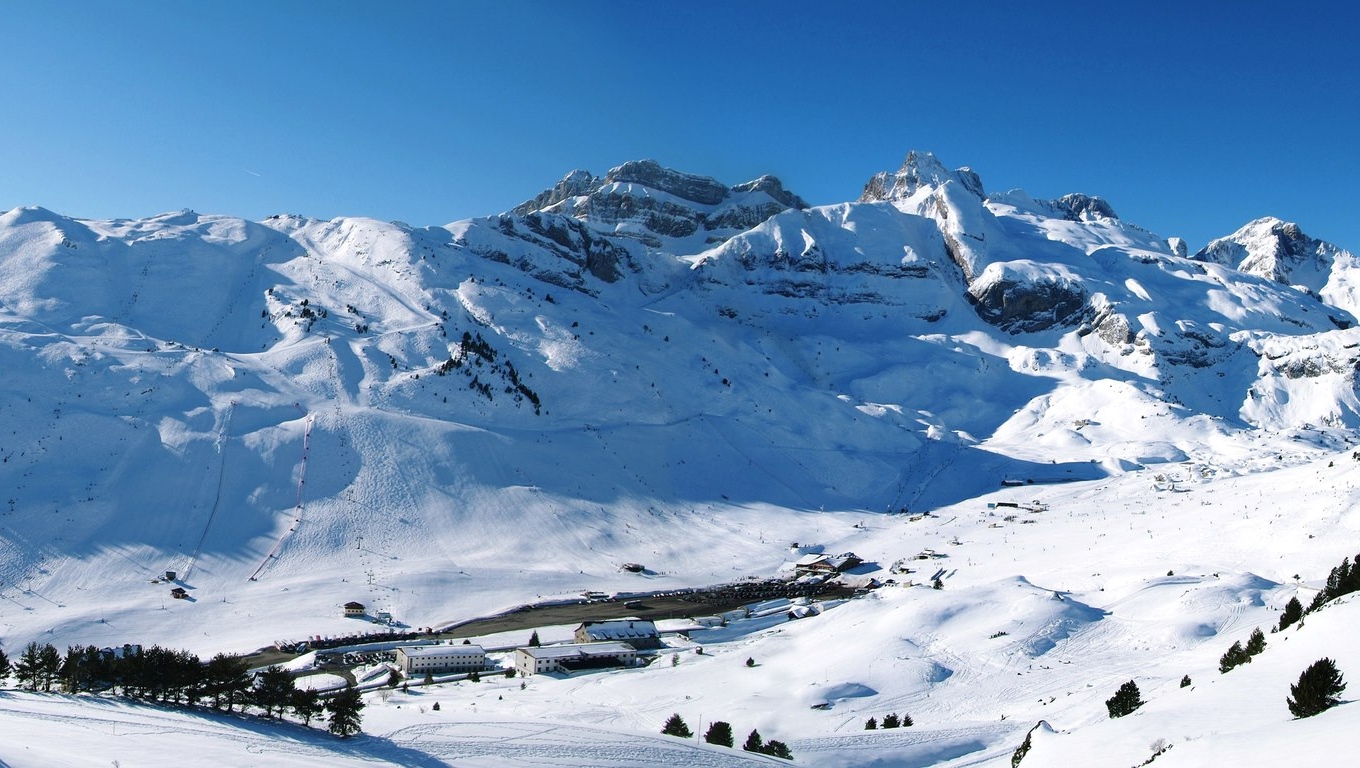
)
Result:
{"points": [[648, 366]]}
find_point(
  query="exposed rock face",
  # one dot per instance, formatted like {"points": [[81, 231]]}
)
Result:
{"points": [[1079, 207], [920, 169], [650, 173], [1019, 303], [626, 200], [1178, 246], [774, 188], [574, 184], [1270, 248]]}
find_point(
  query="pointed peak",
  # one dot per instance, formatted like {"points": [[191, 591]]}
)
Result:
{"points": [[773, 187], [919, 169], [704, 190], [1079, 207], [574, 184]]}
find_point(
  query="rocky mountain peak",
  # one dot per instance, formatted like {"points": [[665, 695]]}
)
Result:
{"points": [[919, 169], [649, 173], [574, 184], [1079, 207], [773, 187], [1271, 248]]}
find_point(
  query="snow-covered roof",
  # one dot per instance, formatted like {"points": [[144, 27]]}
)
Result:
{"points": [[621, 629], [577, 650], [443, 650]]}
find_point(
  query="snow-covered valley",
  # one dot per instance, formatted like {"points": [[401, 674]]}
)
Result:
{"points": [[651, 367]]}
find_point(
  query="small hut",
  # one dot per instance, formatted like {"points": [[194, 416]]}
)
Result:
{"points": [[354, 609]]}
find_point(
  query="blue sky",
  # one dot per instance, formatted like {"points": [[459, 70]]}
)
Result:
{"points": [[1190, 118]]}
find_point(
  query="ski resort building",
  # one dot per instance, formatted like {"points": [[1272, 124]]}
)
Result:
{"points": [[354, 609], [440, 659], [570, 657], [826, 564], [641, 635]]}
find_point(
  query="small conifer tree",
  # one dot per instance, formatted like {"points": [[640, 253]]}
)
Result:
{"points": [[719, 733], [1256, 643], [753, 742], [676, 726], [1125, 700], [907, 721], [871, 724], [1185, 681], [750, 662], [777, 748], [345, 707], [891, 721], [1293, 611], [533, 640], [1317, 690], [1235, 656]]}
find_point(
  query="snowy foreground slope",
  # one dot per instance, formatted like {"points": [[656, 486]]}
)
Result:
{"points": [[654, 367]]}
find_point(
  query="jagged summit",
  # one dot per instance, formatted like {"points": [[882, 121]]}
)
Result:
{"points": [[919, 169], [1079, 207], [660, 206], [1280, 251]]}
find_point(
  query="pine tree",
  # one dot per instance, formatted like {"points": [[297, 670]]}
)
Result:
{"points": [[4, 665], [226, 681], [1125, 700], [1235, 656], [533, 640], [1293, 611], [675, 726], [1185, 681], [719, 733], [1317, 690], [274, 689], [345, 708], [1256, 643], [753, 742], [28, 669], [49, 666], [306, 704], [871, 724], [778, 749], [750, 662], [907, 722], [891, 721]]}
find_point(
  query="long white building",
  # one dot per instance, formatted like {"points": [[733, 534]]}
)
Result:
{"points": [[441, 659], [568, 657]]}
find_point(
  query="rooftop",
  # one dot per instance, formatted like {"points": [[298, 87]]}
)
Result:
{"points": [[575, 650]]}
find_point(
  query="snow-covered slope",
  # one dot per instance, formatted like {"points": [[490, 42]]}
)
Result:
{"points": [[650, 367]]}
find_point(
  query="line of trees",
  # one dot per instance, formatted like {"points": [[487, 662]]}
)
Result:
{"points": [[720, 733], [172, 677]]}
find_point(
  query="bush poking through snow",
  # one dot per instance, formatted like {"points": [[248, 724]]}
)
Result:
{"points": [[1317, 690], [1256, 643], [676, 726], [1293, 611], [1125, 700], [1235, 656], [719, 733]]}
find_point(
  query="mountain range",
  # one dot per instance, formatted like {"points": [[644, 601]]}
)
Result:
{"points": [[648, 366]]}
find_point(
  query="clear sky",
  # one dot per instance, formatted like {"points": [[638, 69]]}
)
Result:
{"points": [[1190, 118]]}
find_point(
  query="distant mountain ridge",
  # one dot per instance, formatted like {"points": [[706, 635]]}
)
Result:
{"points": [[645, 342]]}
